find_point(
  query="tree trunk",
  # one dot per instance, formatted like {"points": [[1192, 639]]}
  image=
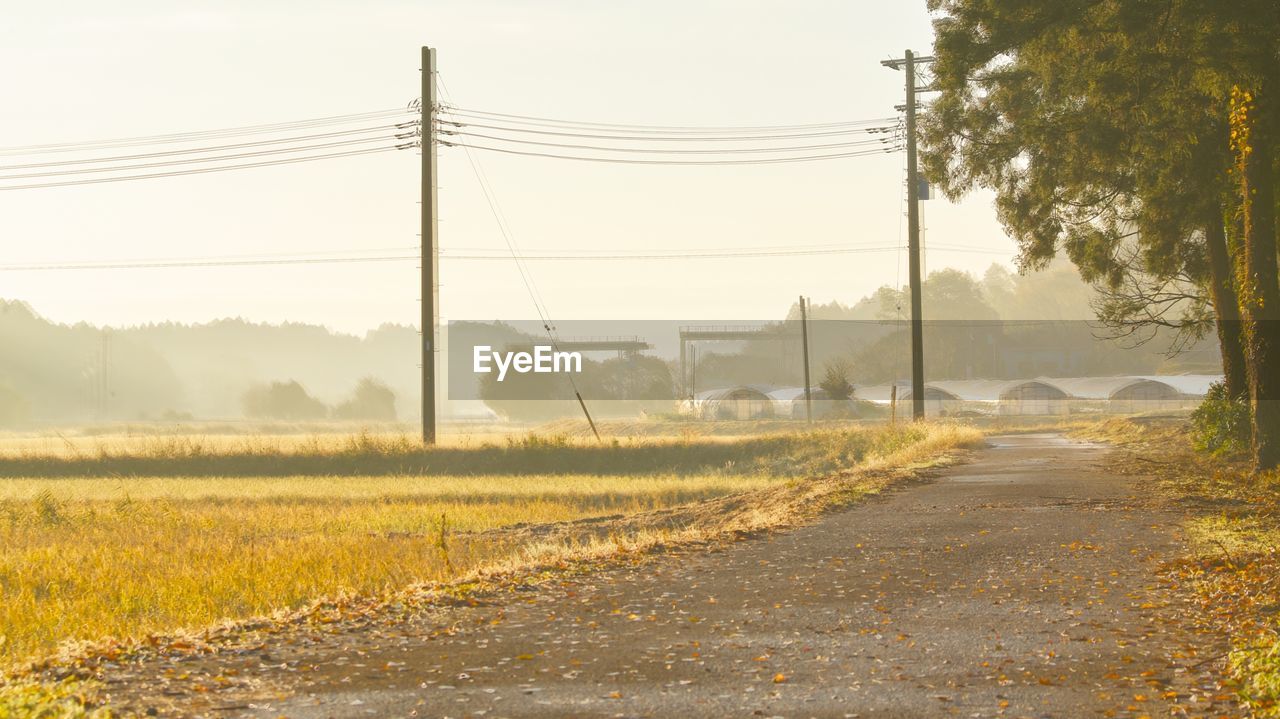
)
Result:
{"points": [[1226, 307], [1260, 282]]}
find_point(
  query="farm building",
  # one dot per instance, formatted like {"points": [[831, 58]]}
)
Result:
{"points": [[948, 398], [742, 402], [789, 402], [1121, 394], [944, 398], [938, 402], [1190, 386], [1049, 396], [1033, 397]]}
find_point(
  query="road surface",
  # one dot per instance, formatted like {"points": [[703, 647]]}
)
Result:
{"points": [[1024, 583]]}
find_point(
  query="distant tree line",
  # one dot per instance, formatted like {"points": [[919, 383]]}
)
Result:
{"points": [[59, 373], [371, 400], [1000, 326]]}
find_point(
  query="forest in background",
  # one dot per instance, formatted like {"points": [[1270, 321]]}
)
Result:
{"points": [[52, 372], [1000, 325]]}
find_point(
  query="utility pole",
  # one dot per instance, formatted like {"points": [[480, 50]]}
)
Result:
{"points": [[693, 369], [430, 228], [908, 63], [804, 339]]}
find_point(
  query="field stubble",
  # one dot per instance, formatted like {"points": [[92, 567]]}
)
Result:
{"points": [[90, 552]]}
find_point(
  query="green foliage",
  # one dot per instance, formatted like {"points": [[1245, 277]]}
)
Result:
{"points": [[282, 400], [946, 295], [835, 379], [1102, 129], [371, 400], [66, 700], [1258, 667], [1220, 425]]}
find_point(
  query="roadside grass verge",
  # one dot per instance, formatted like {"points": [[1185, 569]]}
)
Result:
{"points": [[92, 564], [1233, 532]]}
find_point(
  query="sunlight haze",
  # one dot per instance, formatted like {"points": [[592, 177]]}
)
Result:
{"points": [[91, 71]]}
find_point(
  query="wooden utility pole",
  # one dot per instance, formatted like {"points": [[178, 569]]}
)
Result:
{"points": [[908, 63], [804, 339], [693, 368], [430, 228]]}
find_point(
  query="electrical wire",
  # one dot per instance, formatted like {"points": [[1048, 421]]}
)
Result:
{"points": [[195, 150], [673, 129], [632, 138], [403, 255], [759, 161], [202, 134], [193, 160], [204, 170], [726, 254], [204, 263], [504, 229], [658, 150]]}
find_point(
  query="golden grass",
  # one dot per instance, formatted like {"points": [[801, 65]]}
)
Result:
{"points": [[365, 454], [330, 436], [85, 556]]}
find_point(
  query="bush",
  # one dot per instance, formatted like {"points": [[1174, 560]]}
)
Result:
{"points": [[372, 400], [282, 400], [1220, 425], [835, 380]]}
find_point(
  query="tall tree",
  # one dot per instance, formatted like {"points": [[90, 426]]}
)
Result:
{"points": [[1101, 125], [1254, 125]]}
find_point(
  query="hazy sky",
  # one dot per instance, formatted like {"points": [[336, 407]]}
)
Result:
{"points": [[81, 70]]}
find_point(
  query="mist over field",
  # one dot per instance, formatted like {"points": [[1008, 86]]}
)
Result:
{"points": [[65, 373], [1041, 323]]}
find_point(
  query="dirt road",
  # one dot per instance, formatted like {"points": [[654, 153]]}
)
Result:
{"points": [[1021, 584]]}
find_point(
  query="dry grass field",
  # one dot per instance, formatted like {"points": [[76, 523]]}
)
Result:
{"points": [[123, 537]]}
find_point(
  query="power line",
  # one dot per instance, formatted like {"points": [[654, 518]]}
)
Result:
{"points": [[201, 134], [204, 170], [759, 161], [680, 138], [723, 254], [144, 265], [194, 160], [212, 148], [700, 151], [403, 256], [500, 219], [674, 129], [543, 313]]}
